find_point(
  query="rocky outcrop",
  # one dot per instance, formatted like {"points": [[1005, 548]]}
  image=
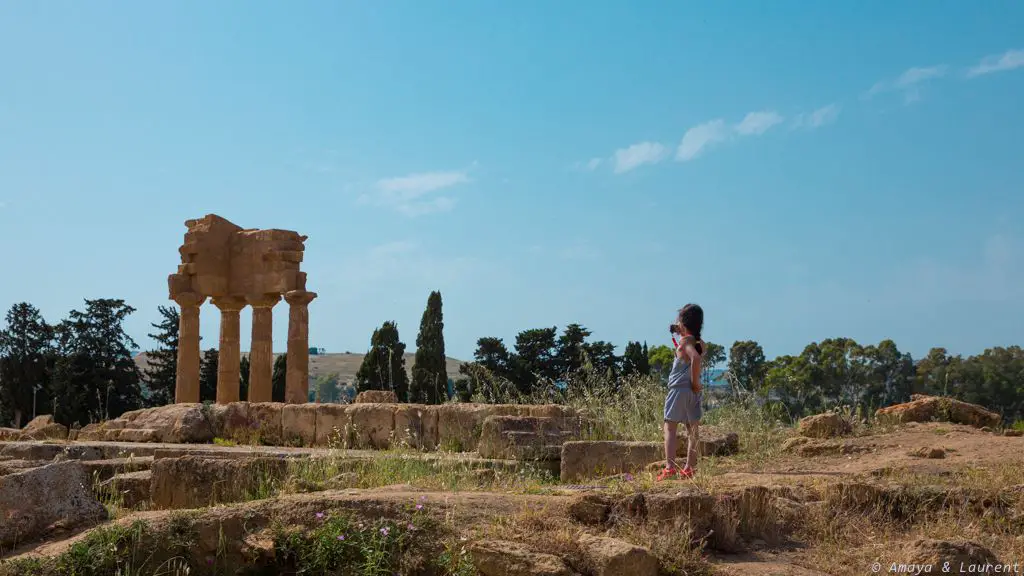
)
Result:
{"points": [[174, 423], [44, 428], [37, 501], [931, 408], [128, 490], [961, 556], [8, 434], [502, 558], [824, 426]]}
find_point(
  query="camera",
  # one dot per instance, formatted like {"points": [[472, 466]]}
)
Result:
{"points": [[673, 329]]}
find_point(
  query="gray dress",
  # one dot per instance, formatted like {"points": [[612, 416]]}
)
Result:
{"points": [[681, 404]]}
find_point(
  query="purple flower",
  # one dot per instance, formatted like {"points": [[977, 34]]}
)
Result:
{"points": [[209, 561], [629, 477], [385, 530], [319, 515], [419, 506], [411, 527], [341, 537]]}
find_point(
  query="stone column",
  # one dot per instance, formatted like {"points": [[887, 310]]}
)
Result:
{"points": [[229, 362], [261, 351], [186, 379], [297, 378]]}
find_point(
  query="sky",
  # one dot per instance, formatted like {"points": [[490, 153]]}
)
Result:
{"points": [[803, 170]]}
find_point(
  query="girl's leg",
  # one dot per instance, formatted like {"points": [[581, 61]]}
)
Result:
{"points": [[692, 444], [671, 445]]}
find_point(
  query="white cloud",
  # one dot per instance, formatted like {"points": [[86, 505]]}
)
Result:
{"points": [[593, 164], [637, 155], [757, 123], [700, 137], [405, 194], [1008, 60], [589, 165], [909, 82], [820, 117], [401, 263]]}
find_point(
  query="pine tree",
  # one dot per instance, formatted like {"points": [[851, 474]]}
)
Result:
{"points": [[161, 373], [25, 346], [243, 378], [96, 377], [645, 361], [429, 383], [279, 378], [383, 367], [208, 375], [632, 359]]}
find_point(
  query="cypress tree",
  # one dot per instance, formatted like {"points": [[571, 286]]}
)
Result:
{"points": [[429, 375], [278, 378], [383, 367]]}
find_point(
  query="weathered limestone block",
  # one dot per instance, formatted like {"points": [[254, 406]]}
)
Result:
{"points": [[962, 556], [265, 419], [586, 459], [137, 435], [35, 501], [15, 466], [376, 397], [416, 426], [232, 422], [690, 509], [129, 489], [106, 469], [614, 557], [174, 423], [524, 437], [44, 428], [195, 482], [824, 426], [923, 408], [333, 423], [373, 425], [503, 558], [298, 424], [8, 434], [711, 442], [460, 425]]}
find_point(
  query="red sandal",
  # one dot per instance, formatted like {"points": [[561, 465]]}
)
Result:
{"points": [[667, 473], [686, 472]]}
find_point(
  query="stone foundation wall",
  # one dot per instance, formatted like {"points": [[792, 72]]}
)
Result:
{"points": [[451, 427]]}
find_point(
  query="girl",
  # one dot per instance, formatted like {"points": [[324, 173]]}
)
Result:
{"points": [[683, 403]]}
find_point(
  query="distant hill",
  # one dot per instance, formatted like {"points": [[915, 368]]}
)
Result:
{"points": [[344, 365]]}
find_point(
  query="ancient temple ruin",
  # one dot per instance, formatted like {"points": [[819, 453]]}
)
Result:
{"points": [[236, 267]]}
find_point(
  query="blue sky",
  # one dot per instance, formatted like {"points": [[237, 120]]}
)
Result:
{"points": [[803, 170]]}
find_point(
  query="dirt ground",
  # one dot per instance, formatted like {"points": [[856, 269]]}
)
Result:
{"points": [[967, 453]]}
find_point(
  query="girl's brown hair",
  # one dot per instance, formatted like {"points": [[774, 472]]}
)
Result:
{"points": [[692, 317]]}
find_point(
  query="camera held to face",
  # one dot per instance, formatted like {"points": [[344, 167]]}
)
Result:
{"points": [[673, 328]]}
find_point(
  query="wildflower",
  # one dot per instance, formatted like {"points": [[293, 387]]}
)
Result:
{"points": [[341, 537], [411, 527], [629, 477], [385, 530], [319, 515], [419, 507]]}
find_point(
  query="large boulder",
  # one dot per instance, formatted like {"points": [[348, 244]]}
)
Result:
{"points": [[586, 459], [923, 408], [503, 558], [614, 557], [711, 442], [824, 426], [196, 482], [44, 428], [9, 434], [376, 397], [34, 502], [173, 423]]}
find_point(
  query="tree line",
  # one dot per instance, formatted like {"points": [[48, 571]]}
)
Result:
{"points": [[82, 369]]}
